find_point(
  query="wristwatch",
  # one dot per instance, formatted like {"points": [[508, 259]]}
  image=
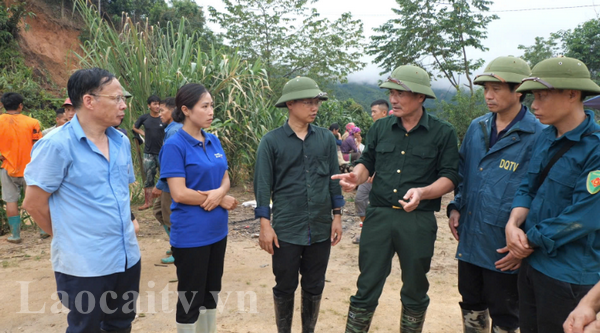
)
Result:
{"points": [[337, 211]]}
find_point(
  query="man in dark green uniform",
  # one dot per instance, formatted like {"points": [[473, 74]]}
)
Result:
{"points": [[414, 157], [294, 164]]}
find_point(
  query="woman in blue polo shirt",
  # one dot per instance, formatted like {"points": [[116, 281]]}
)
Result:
{"points": [[195, 167]]}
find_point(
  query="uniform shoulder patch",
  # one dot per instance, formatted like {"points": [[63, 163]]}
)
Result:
{"points": [[593, 182]]}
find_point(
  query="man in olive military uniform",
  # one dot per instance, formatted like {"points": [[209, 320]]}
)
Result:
{"points": [[294, 164], [414, 157], [494, 156], [554, 219]]}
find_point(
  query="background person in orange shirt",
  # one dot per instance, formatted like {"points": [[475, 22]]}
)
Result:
{"points": [[18, 132]]}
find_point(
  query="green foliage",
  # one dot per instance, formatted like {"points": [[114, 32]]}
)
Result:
{"points": [[343, 112], [362, 93], [161, 14], [434, 29], [583, 43], [292, 40], [463, 109], [540, 50], [148, 60]]}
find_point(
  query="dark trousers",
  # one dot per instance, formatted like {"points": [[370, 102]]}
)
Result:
{"points": [[106, 302], [311, 261], [482, 289], [388, 231], [199, 273], [544, 302]]}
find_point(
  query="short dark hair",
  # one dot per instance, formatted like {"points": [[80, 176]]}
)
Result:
{"points": [[334, 126], [187, 96], [513, 87], [60, 111], [87, 81], [381, 102], [169, 102], [153, 99], [11, 101]]}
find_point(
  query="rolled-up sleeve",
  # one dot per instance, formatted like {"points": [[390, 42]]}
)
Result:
{"points": [[263, 179], [335, 190], [449, 158]]}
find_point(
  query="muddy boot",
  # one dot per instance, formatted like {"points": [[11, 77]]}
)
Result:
{"points": [[14, 222], [412, 321], [498, 329], [147, 199], [310, 311], [359, 320], [476, 321], [43, 234], [284, 312]]}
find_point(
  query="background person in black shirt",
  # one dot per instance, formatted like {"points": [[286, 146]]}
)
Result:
{"points": [[154, 134]]}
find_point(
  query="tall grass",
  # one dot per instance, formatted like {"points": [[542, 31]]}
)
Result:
{"points": [[148, 60]]}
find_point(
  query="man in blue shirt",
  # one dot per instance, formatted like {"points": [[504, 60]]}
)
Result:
{"points": [[162, 204], [78, 192], [494, 156], [554, 219]]}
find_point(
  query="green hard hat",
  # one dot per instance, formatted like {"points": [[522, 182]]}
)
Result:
{"points": [[300, 88], [504, 69], [560, 73], [409, 78]]}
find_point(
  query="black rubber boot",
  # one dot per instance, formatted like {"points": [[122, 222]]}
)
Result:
{"points": [[284, 312], [310, 311], [412, 321], [359, 320]]}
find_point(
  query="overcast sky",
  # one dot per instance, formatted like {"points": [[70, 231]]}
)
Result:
{"points": [[515, 25]]}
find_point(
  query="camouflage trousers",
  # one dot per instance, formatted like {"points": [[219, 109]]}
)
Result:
{"points": [[151, 166]]}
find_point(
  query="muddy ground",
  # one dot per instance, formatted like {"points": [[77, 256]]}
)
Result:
{"points": [[27, 282]]}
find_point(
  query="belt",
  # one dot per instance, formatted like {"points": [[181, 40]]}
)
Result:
{"points": [[396, 207]]}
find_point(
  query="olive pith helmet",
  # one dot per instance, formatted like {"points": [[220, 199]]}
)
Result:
{"points": [[300, 88], [409, 78], [560, 73], [504, 69]]}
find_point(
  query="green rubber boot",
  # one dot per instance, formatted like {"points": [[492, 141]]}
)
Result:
{"points": [[43, 234], [412, 321], [207, 321], [170, 259], [14, 222], [359, 320], [475, 321]]}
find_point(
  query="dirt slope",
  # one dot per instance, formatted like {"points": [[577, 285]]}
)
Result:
{"points": [[49, 42]]}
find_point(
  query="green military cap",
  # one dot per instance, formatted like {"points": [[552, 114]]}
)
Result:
{"points": [[126, 93], [504, 69], [300, 88], [560, 73], [409, 78]]}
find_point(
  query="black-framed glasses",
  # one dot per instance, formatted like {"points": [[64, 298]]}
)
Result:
{"points": [[495, 76], [538, 80], [398, 82]]}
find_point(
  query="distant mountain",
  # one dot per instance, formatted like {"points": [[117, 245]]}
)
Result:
{"points": [[365, 93]]}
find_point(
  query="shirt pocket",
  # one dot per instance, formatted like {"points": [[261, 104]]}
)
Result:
{"points": [[422, 161], [384, 160], [322, 167], [559, 190]]}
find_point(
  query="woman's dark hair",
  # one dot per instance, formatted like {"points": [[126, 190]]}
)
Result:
{"points": [[87, 81], [11, 101], [187, 96]]}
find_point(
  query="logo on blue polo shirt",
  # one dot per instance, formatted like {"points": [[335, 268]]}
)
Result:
{"points": [[218, 155]]}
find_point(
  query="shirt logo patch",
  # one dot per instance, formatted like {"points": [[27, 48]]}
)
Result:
{"points": [[508, 165], [593, 182], [218, 155]]}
